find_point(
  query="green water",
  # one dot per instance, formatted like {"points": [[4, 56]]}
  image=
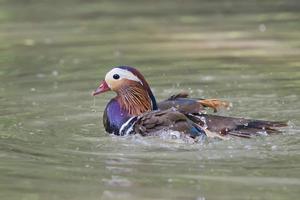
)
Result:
{"points": [[54, 53]]}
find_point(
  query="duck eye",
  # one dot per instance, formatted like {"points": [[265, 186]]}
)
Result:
{"points": [[116, 76]]}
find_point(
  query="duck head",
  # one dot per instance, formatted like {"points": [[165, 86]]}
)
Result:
{"points": [[133, 92]]}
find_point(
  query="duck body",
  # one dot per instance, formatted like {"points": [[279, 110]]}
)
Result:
{"points": [[135, 111], [118, 121]]}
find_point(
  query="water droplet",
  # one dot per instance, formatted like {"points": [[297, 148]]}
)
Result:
{"points": [[54, 73], [40, 75], [48, 41], [262, 28], [76, 61], [29, 42], [274, 147]]}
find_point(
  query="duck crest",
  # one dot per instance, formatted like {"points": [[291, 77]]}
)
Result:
{"points": [[134, 99]]}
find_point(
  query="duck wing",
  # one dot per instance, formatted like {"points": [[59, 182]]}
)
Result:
{"points": [[240, 127], [153, 122], [187, 105]]}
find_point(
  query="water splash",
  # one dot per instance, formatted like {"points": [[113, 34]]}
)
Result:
{"points": [[93, 106]]}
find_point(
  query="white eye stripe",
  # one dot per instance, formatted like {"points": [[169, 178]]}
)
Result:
{"points": [[124, 74]]}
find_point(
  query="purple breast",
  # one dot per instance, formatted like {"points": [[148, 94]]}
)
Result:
{"points": [[114, 117]]}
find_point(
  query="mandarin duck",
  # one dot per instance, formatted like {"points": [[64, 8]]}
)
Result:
{"points": [[135, 111]]}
